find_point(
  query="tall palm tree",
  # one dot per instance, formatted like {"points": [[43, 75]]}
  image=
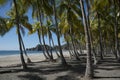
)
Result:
{"points": [[9, 25], [28, 59], [64, 63], [19, 34], [36, 28], [50, 28], [70, 25], [100, 37], [111, 7], [39, 9], [90, 32], [42, 28], [117, 51], [89, 70]]}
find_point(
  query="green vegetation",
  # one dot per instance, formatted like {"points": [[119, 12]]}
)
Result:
{"points": [[91, 25]]}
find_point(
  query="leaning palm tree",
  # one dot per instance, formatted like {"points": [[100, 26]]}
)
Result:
{"points": [[64, 63], [20, 21], [100, 37], [49, 29], [89, 70], [28, 59], [105, 15], [40, 12], [70, 25], [39, 9], [19, 34]]}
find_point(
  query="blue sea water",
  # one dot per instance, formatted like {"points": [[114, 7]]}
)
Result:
{"points": [[16, 52]]}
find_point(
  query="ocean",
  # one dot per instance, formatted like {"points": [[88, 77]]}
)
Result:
{"points": [[16, 52]]}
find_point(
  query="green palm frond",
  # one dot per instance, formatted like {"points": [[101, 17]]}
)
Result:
{"points": [[5, 26], [2, 2]]}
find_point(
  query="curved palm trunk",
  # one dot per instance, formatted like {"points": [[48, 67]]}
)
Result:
{"points": [[20, 44], [74, 49], [64, 63], [28, 59], [46, 57], [41, 24], [100, 37], [46, 48], [71, 32], [89, 70], [55, 48], [21, 51], [50, 42], [80, 48], [69, 49], [51, 54]]}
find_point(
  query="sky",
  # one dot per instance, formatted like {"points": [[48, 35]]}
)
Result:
{"points": [[10, 40]]}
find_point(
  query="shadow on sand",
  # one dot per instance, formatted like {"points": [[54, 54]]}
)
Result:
{"points": [[31, 77], [43, 68], [66, 77]]}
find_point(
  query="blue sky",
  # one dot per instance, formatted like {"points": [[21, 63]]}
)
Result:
{"points": [[10, 42]]}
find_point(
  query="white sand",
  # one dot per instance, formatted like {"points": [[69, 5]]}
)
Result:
{"points": [[15, 59]]}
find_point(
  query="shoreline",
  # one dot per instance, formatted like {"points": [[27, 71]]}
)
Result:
{"points": [[8, 60]]}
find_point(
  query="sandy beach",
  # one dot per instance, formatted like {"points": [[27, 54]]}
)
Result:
{"points": [[45, 70], [9, 60]]}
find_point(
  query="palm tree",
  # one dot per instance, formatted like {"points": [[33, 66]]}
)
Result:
{"points": [[70, 25], [36, 28], [111, 7], [20, 20], [8, 24], [28, 59], [64, 63], [117, 51], [42, 28], [50, 28], [90, 32], [100, 37], [89, 70], [19, 34]]}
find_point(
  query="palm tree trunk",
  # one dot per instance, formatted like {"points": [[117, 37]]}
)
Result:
{"points": [[45, 44], [95, 56], [51, 54], [116, 34], [71, 32], [64, 63], [55, 48], [21, 51], [90, 33], [75, 51], [100, 37], [89, 70], [68, 45], [41, 24], [46, 57], [80, 48], [20, 44], [28, 59]]}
